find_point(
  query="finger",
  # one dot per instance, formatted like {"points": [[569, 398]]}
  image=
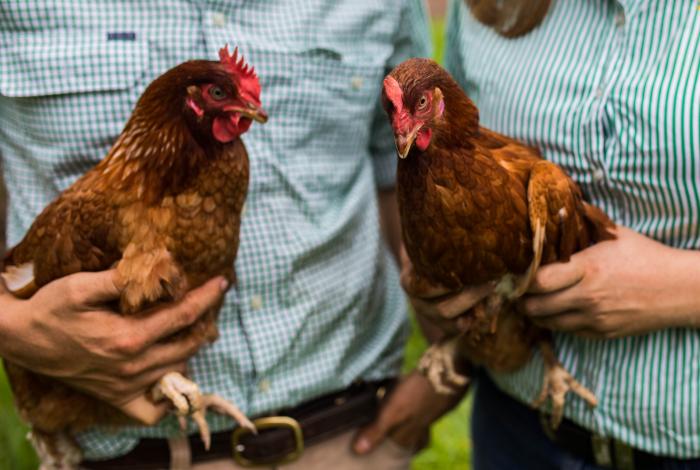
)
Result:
{"points": [[572, 321], [391, 415], [369, 437], [460, 303], [91, 288], [557, 276], [169, 319], [434, 327], [168, 354], [117, 390], [454, 305], [416, 286], [144, 410], [555, 303]]}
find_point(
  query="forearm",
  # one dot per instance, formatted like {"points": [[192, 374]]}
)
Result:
{"points": [[683, 302]]}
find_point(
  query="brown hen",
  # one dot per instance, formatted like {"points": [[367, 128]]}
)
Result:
{"points": [[164, 207], [478, 207]]}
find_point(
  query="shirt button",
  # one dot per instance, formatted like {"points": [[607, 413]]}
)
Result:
{"points": [[256, 302], [598, 175], [599, 92], [620, 20], [218, 19], [356, 82], [264, 385]]}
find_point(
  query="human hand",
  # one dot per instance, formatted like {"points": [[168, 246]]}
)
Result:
{"points": [[406, 415], [438, 306], [66, 331], [628, 286]]}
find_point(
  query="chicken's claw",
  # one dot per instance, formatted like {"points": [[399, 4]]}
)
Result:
{"points": [[438, 365], [188, 400], [557, 382]]}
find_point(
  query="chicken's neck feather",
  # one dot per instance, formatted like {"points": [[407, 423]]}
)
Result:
{"points": [[155, 156]]}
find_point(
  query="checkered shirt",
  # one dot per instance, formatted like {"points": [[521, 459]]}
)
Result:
{"points": [[318, 303]]}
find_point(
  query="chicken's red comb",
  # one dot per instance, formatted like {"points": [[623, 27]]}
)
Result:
{"points": [[235, 65]]}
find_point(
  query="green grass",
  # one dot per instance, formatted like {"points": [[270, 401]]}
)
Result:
{"points": [[15, 451]]}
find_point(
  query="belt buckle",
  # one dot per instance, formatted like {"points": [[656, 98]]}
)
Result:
{"points": [[266, 423]]}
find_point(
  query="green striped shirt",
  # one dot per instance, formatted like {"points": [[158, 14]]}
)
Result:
{"points": [[318, 302], [609, 90]]}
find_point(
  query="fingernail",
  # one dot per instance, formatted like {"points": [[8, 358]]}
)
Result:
{"points": [[223, 285], [362, 446]]}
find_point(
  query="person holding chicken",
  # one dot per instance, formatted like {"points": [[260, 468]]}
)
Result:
{"points": [[609, 92], [312, 323]]}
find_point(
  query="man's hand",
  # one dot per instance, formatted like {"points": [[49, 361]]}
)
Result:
{"points": [[406, 415], [437, 307], [66, 331], [631, 285]]}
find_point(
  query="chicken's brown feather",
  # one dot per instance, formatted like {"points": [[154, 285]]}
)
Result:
{"points": [[469, 204], [167, 196]]}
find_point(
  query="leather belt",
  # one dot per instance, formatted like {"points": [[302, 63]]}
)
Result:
{"points": [[281, 437]]}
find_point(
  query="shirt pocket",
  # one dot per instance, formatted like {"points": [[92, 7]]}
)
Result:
{"points": [[56, 63], [65, 96]]}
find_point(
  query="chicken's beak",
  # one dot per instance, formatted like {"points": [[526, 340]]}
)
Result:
{"points": [[405, 142], [250, 111]]}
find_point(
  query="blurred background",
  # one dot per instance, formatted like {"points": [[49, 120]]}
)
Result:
{"points": [[449, 448]]}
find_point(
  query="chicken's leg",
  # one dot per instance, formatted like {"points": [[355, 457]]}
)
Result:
{"points": [[189, 401], [557, 383], [438, 365]]}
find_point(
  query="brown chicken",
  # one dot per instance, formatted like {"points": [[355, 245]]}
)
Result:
{"points": [[164, 207], [476, 208]]}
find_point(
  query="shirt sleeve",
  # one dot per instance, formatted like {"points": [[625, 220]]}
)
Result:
{"points": [[412, 40]]}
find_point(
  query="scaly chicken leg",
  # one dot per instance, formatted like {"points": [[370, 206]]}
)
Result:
{"points": [[557, 383], [152, 274], [438, 365], [189, 401]]}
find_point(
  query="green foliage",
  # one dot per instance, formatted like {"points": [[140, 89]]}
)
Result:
{"points": [[437, 29], [15, 451]]}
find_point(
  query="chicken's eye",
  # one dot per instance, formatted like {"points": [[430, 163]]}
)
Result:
{"points": [[422, 103], [217, 93]]}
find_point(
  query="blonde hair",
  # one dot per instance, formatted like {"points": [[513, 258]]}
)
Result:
{"points": [[510, 18]]}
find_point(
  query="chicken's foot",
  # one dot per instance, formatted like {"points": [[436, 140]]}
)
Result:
{"points": [[55, 451], [438, 365], [557, 383], [189, 401]]}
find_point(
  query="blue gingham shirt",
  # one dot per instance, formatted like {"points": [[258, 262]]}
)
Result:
{"points": [[318, 302]]}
